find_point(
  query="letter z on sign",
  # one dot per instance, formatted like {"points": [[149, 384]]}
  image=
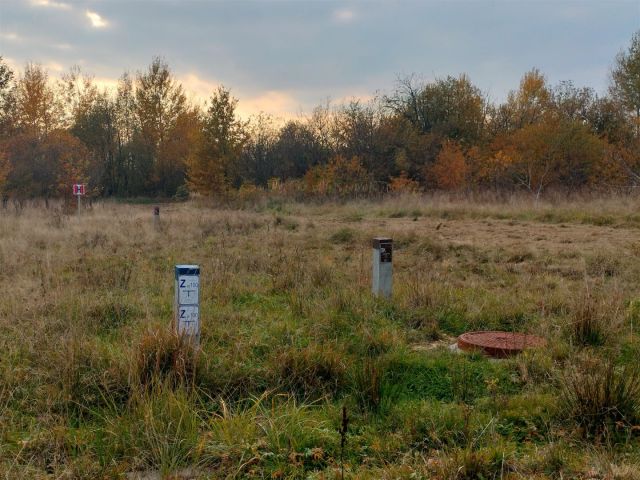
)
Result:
{"points": [[188, 290]]}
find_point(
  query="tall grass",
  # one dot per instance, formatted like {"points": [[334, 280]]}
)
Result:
{"points": [[94, 383]]}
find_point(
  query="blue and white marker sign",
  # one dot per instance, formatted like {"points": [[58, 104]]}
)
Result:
{"points": [[187, 301]]}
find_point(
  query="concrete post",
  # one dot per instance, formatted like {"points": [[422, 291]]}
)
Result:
{"points": [[156, 217], [187, 302], [381, 281]]}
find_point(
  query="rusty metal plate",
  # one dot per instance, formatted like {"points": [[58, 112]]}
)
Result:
{"points": [[499, 344]]}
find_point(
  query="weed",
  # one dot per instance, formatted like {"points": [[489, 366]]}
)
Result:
{"points": [[600, 398], [592, 319], [163, 356], [312, 371]]}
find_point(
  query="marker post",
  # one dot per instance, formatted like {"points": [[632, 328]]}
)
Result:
{"points": [[382, 274], [156, 217], [79, 190], [187, 302]]}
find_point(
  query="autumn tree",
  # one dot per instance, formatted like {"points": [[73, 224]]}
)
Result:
{"points": [[164, 119], [572, 103], [551, 153], [450, 170], [45, 167], [69, 158], [77, 93], [625, 76], [7, 97], [38, 111], [526, 106], [403, 184], [218, 147], [341, 177]]}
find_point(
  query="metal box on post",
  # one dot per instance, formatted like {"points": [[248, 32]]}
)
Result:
{"points": [[381, 282]]}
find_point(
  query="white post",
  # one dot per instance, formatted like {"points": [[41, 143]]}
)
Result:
{"points": [[381, 281], [187, 302], [79, 203]]}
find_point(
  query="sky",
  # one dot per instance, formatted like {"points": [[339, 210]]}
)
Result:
{"points": [[285, 57]]}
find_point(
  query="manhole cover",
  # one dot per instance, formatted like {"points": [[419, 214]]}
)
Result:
{"points": [[499, 344]]}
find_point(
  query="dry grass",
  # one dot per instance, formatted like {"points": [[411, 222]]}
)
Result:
{"points": [[94, 385]]}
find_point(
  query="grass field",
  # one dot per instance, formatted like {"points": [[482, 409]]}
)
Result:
{"points": [[94, 385]]}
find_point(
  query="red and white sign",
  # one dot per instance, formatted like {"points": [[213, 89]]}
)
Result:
{"points": [[78, 189]]}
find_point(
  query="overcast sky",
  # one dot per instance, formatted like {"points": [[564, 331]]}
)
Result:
{"points": [[285, 57]]}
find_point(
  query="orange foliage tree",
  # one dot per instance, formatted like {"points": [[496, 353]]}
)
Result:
{"points": [[403, 184], [450, 170], [341, 177]]}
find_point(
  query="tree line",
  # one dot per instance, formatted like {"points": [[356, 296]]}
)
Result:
{"points": [[146, 139]]}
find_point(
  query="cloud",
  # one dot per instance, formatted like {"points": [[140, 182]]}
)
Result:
{"points": [[51, 4], [344, 15], [275, 102], [96, 20], [54, 66], [10, 36], [196, 86]]}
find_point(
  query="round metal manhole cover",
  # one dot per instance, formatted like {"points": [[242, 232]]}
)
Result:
{"points": [[499, 344]]}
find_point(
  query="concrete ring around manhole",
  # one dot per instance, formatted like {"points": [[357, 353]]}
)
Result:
{"points": [[499, 344]]}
